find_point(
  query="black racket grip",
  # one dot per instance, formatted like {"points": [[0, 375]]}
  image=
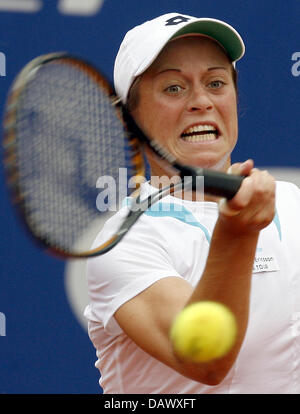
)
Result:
{"points": [[215, 182], [221, 184]]}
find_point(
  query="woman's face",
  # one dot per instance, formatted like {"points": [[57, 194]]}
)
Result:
{"points": [[188, 103]]}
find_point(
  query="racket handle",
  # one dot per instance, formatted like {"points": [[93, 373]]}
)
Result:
{"points": [[215, 182], [221, 184]]}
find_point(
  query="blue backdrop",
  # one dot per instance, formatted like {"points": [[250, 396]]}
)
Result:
{"points": [[44, 347]]}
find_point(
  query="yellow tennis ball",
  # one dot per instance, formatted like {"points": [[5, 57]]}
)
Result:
{"points": [[203, 331]]}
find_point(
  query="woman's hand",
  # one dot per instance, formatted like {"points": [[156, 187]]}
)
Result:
{"points": [[253, 207]]}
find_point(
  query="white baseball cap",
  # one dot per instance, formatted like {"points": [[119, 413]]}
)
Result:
{"points": [[142, 44]]}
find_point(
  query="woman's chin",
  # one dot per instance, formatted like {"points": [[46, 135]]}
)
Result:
{"points": [[218, 164]]}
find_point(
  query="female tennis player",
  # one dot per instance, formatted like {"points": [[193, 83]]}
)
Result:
{"points": [[177, 75]]}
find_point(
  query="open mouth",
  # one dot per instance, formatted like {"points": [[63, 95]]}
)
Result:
{"points": [[200, 133]]}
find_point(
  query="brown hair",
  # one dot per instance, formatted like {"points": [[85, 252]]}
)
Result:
{"points": [[133, 94]]}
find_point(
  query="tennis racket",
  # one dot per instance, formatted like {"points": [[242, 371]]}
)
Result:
{"points": [[66, 136]]}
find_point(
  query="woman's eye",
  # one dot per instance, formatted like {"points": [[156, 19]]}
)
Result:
{"points": [[174, 89], [216, 84]]}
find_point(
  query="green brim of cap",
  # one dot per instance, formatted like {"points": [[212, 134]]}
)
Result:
{"points": [[223, 34]]}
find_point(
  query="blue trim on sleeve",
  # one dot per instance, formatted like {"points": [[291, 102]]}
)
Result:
{"points": [[277, 224], [178, 212]]}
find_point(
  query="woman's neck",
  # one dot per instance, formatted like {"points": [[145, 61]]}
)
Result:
{"points": [[163, 174]]}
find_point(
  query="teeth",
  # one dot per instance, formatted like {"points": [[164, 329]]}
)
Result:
{"points": [[199, 128], [199, 133], [199, 138]]}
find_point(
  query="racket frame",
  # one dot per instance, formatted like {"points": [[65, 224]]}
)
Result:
{"points": [[216, 183]]}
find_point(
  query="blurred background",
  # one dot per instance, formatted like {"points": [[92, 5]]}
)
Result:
{"points": [[44, 347]]}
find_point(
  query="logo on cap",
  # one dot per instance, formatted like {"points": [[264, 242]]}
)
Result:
{"points": [[176, 20]]}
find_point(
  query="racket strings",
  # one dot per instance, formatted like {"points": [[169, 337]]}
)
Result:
{"points": [[67, 136]]}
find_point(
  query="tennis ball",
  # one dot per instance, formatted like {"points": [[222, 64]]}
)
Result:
{"points": [[203, 331]]}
